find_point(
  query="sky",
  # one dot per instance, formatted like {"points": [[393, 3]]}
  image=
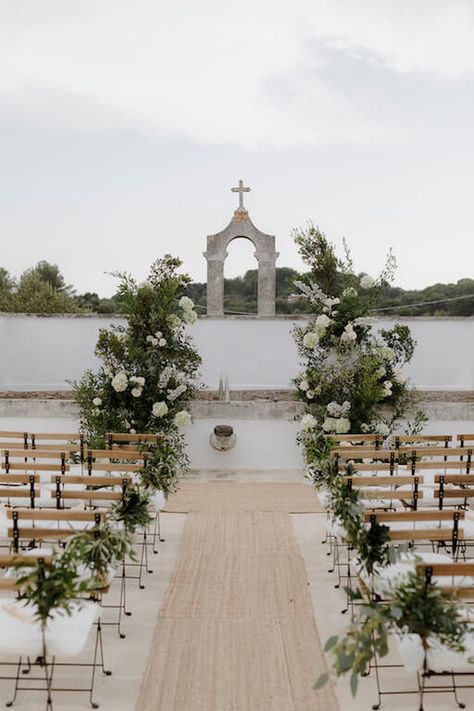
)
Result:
{"points": [[124, 124]]}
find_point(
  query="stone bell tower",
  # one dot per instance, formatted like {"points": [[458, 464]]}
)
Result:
{"points": [[241, 227]]}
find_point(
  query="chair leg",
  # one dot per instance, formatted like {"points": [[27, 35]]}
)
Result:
{"points": [[15, 690]]}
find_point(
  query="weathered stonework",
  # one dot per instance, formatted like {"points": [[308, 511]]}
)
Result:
{"points": [[241, 227]]}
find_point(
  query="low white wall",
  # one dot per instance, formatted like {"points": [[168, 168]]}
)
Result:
{"points": [[42, 353], [262, 444]]}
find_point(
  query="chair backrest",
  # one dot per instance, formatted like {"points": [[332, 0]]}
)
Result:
{"points": [[452, 533], [388, 487], [13, 439], [453, 486], [59, 523], [125, 439], [12, 487], [10, 583], [88, 488], [454, 579]]}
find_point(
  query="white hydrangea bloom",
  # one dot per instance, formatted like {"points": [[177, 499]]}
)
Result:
{"points": [[388, 353], [160, 408], [120, 382], [182, 418], [342, 425], [190, 317], [333, 409], [186, 303], [310, 340], [304, 385], [322, 322], [348, 335], [97, 401], [174, 322], [367, 282], [308, 422], [329, 424]]}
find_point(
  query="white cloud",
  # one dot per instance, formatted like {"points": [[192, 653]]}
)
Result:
{"points": [[247, 73]]}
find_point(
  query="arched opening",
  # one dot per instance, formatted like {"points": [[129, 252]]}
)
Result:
{"points": [[240, 277]]}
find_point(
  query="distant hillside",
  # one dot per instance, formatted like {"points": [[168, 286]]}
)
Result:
{"points": [[240, 297]]}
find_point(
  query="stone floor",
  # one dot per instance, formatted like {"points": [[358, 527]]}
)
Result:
{"points": [[127, 658]]}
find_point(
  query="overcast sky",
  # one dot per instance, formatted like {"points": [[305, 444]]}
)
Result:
{"points": [[124, 124]]}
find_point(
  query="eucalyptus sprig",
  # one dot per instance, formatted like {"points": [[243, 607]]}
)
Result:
{"points": [[132, 509], [52, 587], [416, 606]]}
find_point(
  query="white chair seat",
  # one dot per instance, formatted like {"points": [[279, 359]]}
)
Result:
{"points": [[20, 633]]}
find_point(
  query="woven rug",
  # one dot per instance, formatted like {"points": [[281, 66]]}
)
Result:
{"points": [[233, 496], [236, 630]]}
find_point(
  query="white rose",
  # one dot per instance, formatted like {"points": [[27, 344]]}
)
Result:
{"points": [[182, 418], [367, 282], [119, 382], [97, 401], [309, 394], [311, 340], [159, 408], [162, 342], [132, 431], [126, 424], [186, 303], [387, 388], [158, 335], [308, 422], [136, 392], [304, 385], [152, 340]]}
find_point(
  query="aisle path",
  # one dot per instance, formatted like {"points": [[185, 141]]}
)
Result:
{"points": [[236, 631]]}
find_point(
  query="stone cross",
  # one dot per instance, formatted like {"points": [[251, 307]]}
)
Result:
{"points": [[241, 190]]}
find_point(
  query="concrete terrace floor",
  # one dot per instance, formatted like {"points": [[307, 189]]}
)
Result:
{"points": [[127, 658]]}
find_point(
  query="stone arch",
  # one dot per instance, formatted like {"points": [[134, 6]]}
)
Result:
{"points": [[241, 227]]}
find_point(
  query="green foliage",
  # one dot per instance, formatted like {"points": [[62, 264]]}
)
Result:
{"points": [[132, 509], [100, 548], [148, 372], [51, 588], [416, 606], [352, 380]]}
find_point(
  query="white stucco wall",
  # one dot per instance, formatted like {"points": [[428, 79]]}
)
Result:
{"points": [[42, 353]]}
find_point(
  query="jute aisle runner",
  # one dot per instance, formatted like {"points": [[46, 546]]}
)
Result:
{"points": [[236, 631]]}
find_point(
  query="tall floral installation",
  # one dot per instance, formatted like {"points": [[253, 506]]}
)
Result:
{"points": [[352, 380], [148, 372]]}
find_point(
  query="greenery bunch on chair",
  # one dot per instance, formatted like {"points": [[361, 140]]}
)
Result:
{"points": [[352, 380], [100, 548], [414, 606], [371, 543], [148, 371]]}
